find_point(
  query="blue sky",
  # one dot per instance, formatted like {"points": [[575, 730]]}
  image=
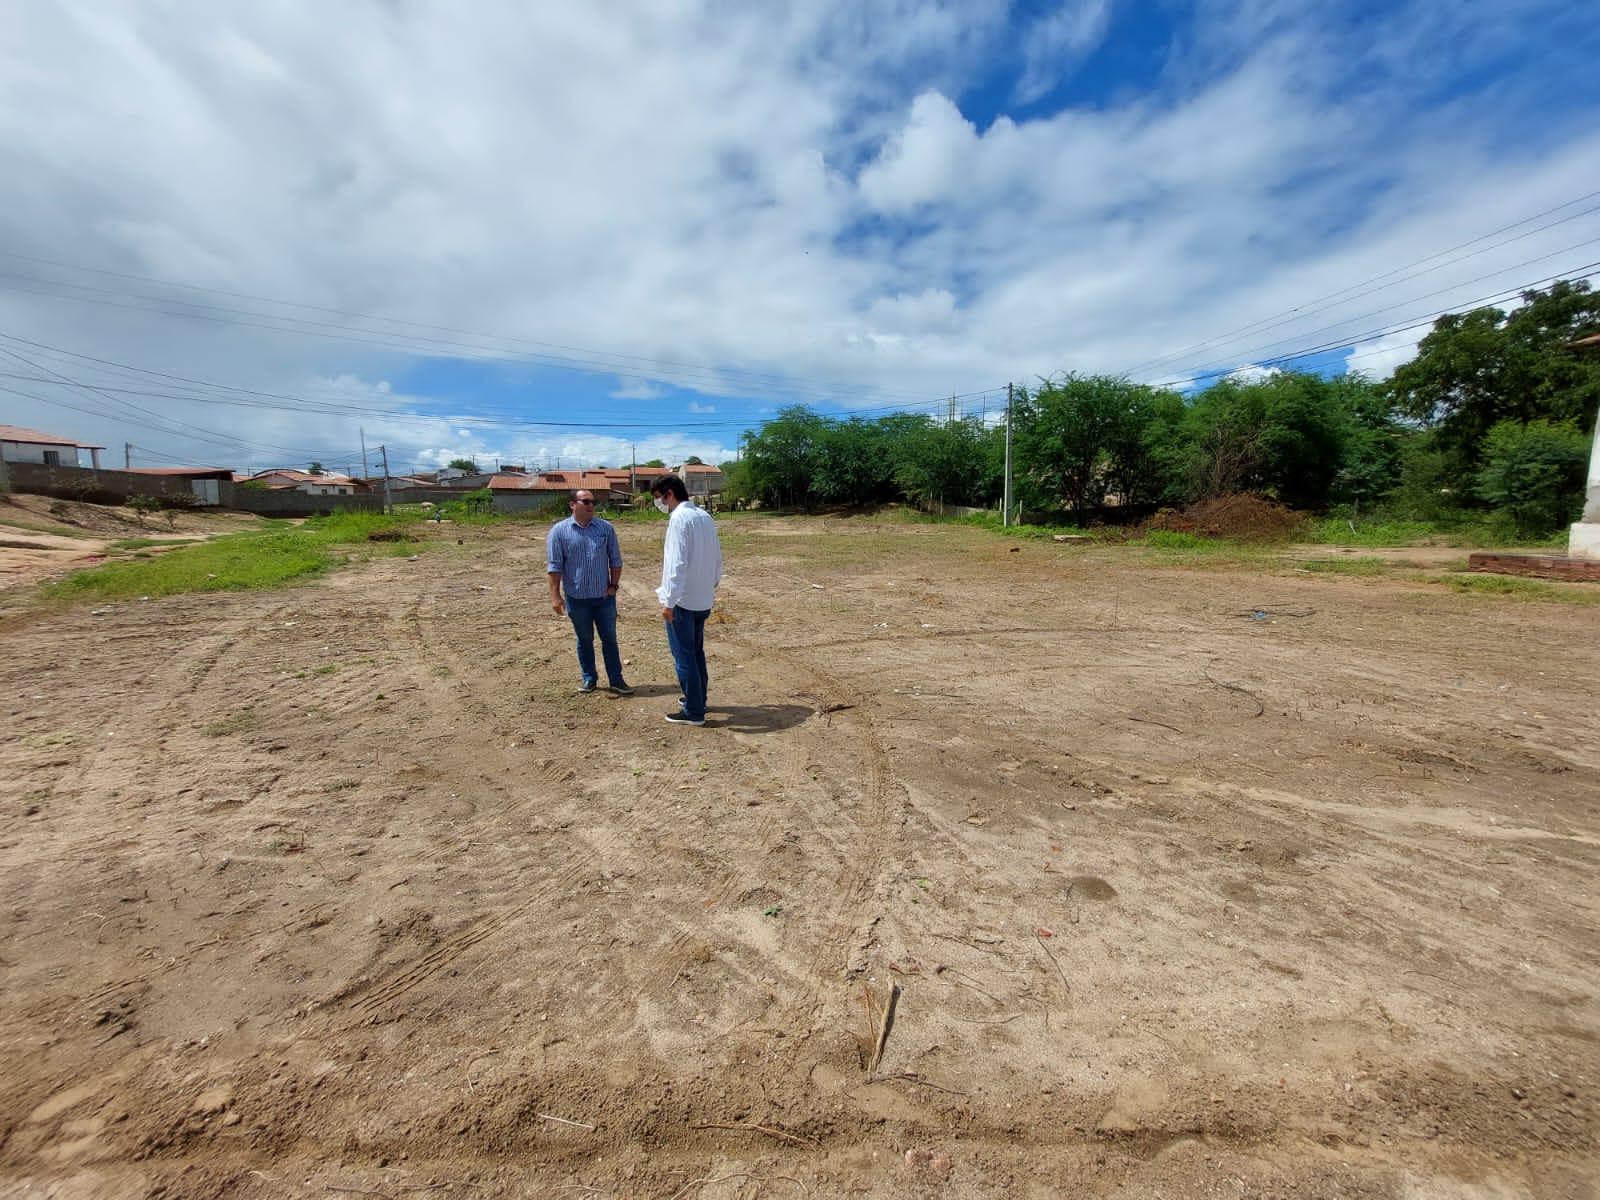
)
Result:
{"points": [[255, 234]]}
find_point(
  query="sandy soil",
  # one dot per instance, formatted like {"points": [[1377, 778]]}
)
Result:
{"points": [[1185, 883]]}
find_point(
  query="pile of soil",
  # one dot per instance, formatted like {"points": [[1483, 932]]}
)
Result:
{"points": [[1244, 516]]}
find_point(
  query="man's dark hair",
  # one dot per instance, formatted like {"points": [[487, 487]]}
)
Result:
{"points": [[670, 483]]}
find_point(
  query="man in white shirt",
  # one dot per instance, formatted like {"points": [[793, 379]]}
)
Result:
{"points": [[691, 569]]}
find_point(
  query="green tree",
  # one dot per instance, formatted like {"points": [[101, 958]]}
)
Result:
{"points": [[693, 461], [780, 459], [1482, 367], [1534, 472], [944, 462], [1283, 436], [463, 464], [314, 469], [1061, 441], [1145, 450], [1370, 465]]}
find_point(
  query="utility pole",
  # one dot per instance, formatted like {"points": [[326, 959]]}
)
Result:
{"points": [[127, 456], [1005, 516], [388, 504], [365, 472], [633, 469]]}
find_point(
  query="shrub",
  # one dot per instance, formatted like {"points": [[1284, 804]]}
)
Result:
{"points": [[1534, 473]]}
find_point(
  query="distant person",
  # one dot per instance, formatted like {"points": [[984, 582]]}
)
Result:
{"points": [[584, 563], [691, 569]]}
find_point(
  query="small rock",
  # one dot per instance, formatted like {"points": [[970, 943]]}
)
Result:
{"points": [[214, 1100]]}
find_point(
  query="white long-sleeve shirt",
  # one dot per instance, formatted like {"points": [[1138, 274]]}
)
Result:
{"points": [[691, 560]]}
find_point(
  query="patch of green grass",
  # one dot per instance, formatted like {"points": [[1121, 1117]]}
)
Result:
{"points": [[1337, 531], [42, 741], [1176, 539], [242, 721], [1516, 587], [35, 527], [264, 558], [1364, 565], [146, 543], [1469, 530]]}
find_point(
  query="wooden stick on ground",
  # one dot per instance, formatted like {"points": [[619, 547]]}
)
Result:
{"points": [[884, 1026]]}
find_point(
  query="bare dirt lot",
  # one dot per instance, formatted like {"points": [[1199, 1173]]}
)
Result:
{"points": [[1195, 882]]}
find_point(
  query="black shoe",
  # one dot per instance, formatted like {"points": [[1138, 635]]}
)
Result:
{"points": [[682, 718], [619, 689], [588, 685]]}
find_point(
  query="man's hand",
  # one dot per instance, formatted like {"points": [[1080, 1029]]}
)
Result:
{"points": [[666, 614], [558, 606]]}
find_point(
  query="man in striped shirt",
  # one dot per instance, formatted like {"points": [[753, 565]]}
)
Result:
{"points": [[584, 564]]}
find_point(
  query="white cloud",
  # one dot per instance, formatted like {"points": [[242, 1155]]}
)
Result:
{"points": [[1254, 373], [753, 205], [636, 389], [1057, 42]]}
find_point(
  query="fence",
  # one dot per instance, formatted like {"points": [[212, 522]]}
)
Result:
{"points": [[117, 487]]}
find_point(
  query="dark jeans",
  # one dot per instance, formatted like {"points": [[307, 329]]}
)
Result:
{"points": [[686, 637], [589, 617]]}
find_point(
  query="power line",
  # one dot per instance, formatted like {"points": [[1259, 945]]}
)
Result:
{"points": [[1580, 273], [501, 347], [1322, 303]]}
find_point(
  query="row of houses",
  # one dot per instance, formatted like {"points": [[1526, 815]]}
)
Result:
{"points": [[512, 489]]}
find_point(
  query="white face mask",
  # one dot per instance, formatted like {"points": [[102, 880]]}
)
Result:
{"points": [[661, 505]]}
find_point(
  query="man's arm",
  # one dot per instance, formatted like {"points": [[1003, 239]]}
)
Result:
{"points": [[614, 556], [553, 562], [674, 563]]}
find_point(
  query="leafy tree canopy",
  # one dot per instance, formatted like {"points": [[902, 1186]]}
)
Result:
{"points": [[1482, 367], [463, 464]]}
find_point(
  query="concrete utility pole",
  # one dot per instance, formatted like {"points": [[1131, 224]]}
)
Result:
{"points": [[127, 456], [365, 473], [1005, 501], [388, 503]]}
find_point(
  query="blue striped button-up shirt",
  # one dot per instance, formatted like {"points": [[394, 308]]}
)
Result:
{"points": [[583, 556]]}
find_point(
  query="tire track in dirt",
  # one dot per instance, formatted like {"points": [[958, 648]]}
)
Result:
{"points": [[446, 677], [847, 922]]}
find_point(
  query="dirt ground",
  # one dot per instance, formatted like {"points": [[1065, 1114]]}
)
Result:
{"points": [[1185, 882]]}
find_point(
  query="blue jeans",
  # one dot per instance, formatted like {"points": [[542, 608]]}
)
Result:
{"points": [[686, 638], [589, 617]]}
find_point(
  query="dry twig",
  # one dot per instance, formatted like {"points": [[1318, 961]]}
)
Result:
{"points": [[564, 1121]]}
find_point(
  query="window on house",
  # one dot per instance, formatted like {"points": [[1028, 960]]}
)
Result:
{"points": [[52, 458]]}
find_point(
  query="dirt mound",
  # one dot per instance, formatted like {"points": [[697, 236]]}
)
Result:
{"points": [[1244, 516]]}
